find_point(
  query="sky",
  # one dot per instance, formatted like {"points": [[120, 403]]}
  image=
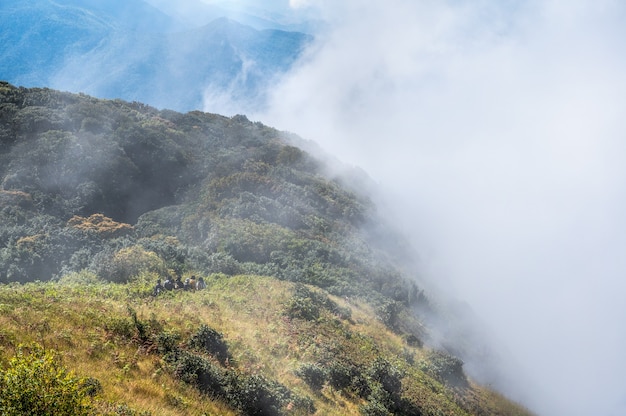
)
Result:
{"points": [[497, 132]]}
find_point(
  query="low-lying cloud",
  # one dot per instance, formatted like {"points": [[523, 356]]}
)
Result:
{"points": [[497, 131]]}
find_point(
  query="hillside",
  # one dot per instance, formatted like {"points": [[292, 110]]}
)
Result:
{"points": [[104, 49], [310, 307]]}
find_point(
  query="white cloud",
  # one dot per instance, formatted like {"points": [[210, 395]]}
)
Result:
{"points": [[296, 4], [498, 131]]}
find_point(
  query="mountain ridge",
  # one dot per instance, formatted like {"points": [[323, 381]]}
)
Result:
{"points": [[140, 55], [100, 198]]}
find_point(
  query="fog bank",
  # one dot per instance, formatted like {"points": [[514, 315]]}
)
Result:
{"points": [[497, 132]]}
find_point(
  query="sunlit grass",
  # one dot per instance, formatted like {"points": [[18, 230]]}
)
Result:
{"points": [[72, 317]]}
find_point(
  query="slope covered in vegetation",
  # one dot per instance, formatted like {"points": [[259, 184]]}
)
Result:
{"points": [[306, 310]]}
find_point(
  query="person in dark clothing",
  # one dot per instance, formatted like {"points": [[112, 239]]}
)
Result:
{"points": [[168, 284], [178, 284], [158, 288], [200, 285]]}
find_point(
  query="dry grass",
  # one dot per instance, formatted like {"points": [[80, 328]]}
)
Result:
{"points": [[249, 311]]}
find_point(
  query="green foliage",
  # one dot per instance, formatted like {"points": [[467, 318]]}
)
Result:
{"points": [[388, 313], [374, 408], [91, 386], [195, 192], [385, 374], [83, 277], [445, 367], [347, 364], [251, 394], [200, 372], [212, 342], [309, 304], [314, 375], [120, 327], [127, 263], [167, 342], [342, 374], [36, 383]]}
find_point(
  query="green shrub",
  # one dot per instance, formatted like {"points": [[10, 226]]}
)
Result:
{"points": [[35, 383], [91, 386], [302, 308], [383, 372], [256, 395], [388, 313], [212, 342], [127, 263], [302, 403], [313, 375], [308, 304], [82, 277], [445, 367], [167, 342], [250, 394], [374, 408], [198, 371], [341, 375], [121, 327]]}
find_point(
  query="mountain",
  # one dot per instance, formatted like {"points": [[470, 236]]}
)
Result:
{"points": [[311, 305], [131, 50], [266, 15]]}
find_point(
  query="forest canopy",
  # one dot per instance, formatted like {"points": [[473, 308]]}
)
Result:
{"points": [[83, 179]]}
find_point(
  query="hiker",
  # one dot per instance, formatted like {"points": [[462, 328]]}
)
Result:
{"points": [[186, 285], [158, 288], [168, 284], [178, 284], [192, 282], [201, 285]]}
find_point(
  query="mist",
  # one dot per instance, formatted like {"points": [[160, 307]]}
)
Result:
{"points": [[496, 132]]}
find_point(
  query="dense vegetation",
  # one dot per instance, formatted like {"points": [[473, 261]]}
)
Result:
{"points": [[90, 184], [307, 310]]}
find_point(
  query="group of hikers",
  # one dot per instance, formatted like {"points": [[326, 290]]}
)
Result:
{"points": [[190, 283]]}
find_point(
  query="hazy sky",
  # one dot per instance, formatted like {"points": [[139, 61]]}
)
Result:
{"points": [[498, 131]]}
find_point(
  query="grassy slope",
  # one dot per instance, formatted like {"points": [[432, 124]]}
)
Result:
{"points": [[76, 319]]}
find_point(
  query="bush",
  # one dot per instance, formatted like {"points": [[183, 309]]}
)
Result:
{"points": [[128, 263], [389, 377], [446, 368], [308, 304], [302, 308], [341, 375], [374, 408], [167, 342], [313, 375], [388, 313], [256, 395], [91, 386], [212, 342], [303, 403], [35, 383], [200, 372], [250, 394]]}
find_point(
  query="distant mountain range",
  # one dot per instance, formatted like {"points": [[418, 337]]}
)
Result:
{"points": [[132, 50], [269, 14]]}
